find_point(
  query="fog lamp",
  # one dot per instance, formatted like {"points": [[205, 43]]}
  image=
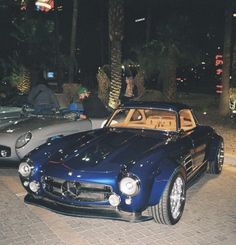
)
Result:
{"points": [[26, 183], [128, 201], [114, 200], [34, 186]]}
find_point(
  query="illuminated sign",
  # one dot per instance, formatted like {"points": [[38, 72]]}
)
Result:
{"points": [[218, 72], [219, 89], [44, 5]]}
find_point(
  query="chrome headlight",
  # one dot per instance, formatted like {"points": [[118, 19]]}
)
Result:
{"points": [[130, 185], [23, 140], [25, 169]]}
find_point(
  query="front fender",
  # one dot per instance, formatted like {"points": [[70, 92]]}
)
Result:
{"points": [[166, 169], [40, 155]]}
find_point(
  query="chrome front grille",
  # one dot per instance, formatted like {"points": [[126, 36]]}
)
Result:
{"points": [[79, 191]]}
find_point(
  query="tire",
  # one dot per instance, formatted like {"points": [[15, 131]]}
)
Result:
{"points": [[215, 166], [170, 207]]}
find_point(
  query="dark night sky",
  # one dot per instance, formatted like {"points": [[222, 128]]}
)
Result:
{"points": [[206, 16]]}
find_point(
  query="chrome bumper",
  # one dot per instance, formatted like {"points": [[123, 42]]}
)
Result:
{"points": [[101, 212]]}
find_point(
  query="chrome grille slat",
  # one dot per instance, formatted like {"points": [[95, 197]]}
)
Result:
{"points": [[188, 163], [78, 191]]}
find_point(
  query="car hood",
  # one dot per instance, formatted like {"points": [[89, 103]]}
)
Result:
{"points": [[106, 150], [28, 124], [10, 111]]}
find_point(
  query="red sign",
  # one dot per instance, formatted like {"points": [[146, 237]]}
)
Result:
{"points": [[218, 60], [219, 72], [219, 89]]}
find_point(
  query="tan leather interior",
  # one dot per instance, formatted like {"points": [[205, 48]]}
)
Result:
{"points": [[148, 119], [163, 123], [186, 120]]}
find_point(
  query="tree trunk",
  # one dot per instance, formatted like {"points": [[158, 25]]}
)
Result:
{"points": [[115, 74], [73, 42], [103, 42], [148, 22], [233, 68], [57, 48], [224, 97], [116, 30], [233, 50], [169, 76]]}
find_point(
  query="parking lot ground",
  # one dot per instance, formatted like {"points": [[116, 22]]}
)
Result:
{"points": [[209, 218]]}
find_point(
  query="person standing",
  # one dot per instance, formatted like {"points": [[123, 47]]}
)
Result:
{"points": [[42, 98], [129, 89]]}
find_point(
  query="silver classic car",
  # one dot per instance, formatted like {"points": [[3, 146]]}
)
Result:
{"points": [[20, 136], [9, 114], [21, 130]]}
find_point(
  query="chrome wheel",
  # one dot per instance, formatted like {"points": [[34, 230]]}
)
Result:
{"points": [[215, 166], [177, 197], [220, 157], [171, 206]]}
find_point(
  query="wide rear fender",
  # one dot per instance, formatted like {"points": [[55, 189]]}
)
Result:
{"points": [[213, 147]]}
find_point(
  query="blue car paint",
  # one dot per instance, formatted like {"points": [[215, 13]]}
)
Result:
{"points": [[152, 158], [108, 167], [166, 168]]}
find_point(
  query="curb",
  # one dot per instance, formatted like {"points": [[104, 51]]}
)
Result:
{"points": [[230, 159]]}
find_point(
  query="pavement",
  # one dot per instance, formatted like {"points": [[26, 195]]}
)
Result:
{"points": [[209, 216], [229, 135]]}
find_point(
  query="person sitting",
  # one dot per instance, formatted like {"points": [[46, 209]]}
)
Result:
{"points": [[77, 104], [43, 99], [89, 105]]}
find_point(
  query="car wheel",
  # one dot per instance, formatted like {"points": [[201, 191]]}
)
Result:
{"points": [[215, 166], [170, 208]]}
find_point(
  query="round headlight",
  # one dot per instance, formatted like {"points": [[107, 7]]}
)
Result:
{"points": [[25, 169], [23, 140], [129, 186]]}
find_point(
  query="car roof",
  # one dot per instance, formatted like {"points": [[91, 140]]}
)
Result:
{"points": [[155, 104]]}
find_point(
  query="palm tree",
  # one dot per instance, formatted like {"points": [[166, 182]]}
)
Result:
{"points": [[176, 47], [224, 98], [168, 75], [161, 56], [116, 22], [73, 41]]}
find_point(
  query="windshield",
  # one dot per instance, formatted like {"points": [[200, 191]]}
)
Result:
{"points": [[139, 118]]}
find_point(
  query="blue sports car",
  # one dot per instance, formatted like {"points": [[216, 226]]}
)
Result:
{"points": [[144, 158]]}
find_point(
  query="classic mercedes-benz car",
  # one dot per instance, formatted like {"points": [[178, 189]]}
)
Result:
{"points": [[144, 158]]}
